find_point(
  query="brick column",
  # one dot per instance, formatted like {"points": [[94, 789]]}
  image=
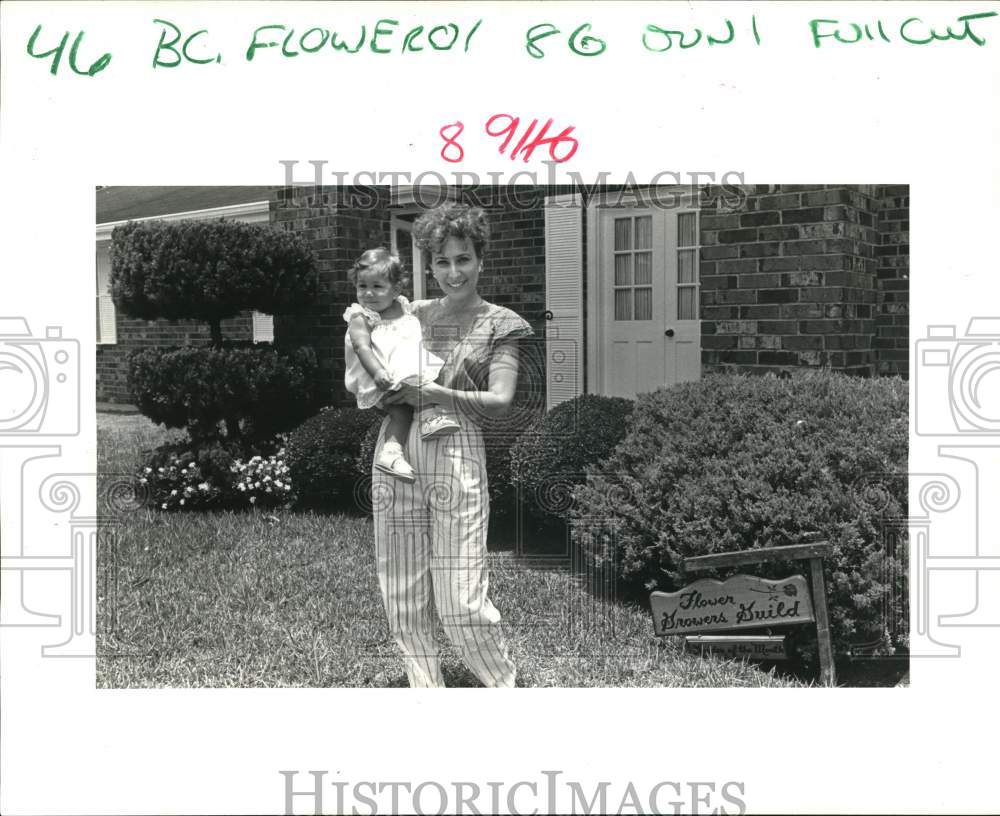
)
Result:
{"points": [[892, 317], [339, 223], [788, 280]]}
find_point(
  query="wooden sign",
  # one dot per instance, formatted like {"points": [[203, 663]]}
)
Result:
{"points": [[740, 602], [676, 612], [739, 647]]}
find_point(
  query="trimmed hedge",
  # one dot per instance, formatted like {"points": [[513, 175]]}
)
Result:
{"points": [[208, 270], [736, 463], [328, 458], [263, 389], [550, 458]]}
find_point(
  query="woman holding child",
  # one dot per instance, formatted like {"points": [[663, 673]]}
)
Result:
{"points": [[431, 502]]}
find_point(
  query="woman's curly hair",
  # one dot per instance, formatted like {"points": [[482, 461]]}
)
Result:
{"points": [[432, 229], [381, 261]]}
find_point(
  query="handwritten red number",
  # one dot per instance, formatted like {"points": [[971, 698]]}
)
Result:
{"points": [[450, 141], [494, 127]]}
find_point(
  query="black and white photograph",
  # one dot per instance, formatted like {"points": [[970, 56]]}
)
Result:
{"points": [[498, 407], [647, 377]]}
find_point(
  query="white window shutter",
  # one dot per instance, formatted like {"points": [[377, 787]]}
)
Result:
{"points": [[263, 328], [107, 333], [563, 299]]}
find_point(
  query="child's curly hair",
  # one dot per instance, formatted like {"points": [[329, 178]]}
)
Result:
{"points": [[382, 262], [432, 229]]}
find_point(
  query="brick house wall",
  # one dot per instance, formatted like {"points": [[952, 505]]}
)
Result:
{"points": [[795, 276], [339, 224], [791, 279], [892, 316]]}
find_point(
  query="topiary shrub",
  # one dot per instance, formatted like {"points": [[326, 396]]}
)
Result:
{"points": [[208, 270], [259, 390], [550, 458], [211, 270], [325, 455], [735, 463]]}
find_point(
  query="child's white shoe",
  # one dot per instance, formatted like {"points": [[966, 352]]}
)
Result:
{"points": [[392, 460], [433, 424]]}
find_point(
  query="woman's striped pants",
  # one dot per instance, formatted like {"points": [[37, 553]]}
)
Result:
{"points": [[430, 540]]}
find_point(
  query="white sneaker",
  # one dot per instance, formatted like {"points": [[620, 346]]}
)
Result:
{"points": [[392, 460]]}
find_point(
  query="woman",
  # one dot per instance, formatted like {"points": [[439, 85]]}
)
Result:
{"points": [[430, 536]]}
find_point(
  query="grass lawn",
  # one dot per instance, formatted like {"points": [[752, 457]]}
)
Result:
{"points": [[257, 599]]}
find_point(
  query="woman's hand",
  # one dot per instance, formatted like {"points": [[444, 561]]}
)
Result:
{"points": [[383, 380], [415, 395]]}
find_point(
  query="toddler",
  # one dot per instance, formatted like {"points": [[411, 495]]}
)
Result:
{"points": [[384, 348]]}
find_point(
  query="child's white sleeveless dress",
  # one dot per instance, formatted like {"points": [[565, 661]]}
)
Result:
{"points": [[398, 345]]}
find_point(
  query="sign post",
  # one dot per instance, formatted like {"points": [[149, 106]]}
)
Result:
{"points": [[745, 601]]}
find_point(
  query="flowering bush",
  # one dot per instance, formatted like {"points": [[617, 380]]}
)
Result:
{"points": [[179, 477], [263, 482], [179, 484]]}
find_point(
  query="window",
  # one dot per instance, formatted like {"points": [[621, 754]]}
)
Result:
{"points": [[263, 327], [106, 330], [687, 265], [633, 252]]}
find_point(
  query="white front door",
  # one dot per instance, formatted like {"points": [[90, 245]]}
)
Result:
{"points": [[647, 273]]}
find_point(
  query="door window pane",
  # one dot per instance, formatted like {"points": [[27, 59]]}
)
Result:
{"points": [[623, 304], [687, 303], [685, 265], [623, 234], [687, 234], [623, 270], [644, 232], [644, 304], [643, 268]]}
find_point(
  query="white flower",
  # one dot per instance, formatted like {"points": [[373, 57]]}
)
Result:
{"points": [[267, 489], [288, 487], [182, 501], [160, 470], [241, 486], [277, 482], [142, 481], [257, 485], [163, 506], [267, 478], [253, 499], [173, 492], [150, 470], [203, 486]]}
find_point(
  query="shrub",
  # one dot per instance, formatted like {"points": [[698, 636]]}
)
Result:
{"points": [[325, 451], [734, 463], [550, 458], [259, 391], [218, 474], [208, 270]]}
